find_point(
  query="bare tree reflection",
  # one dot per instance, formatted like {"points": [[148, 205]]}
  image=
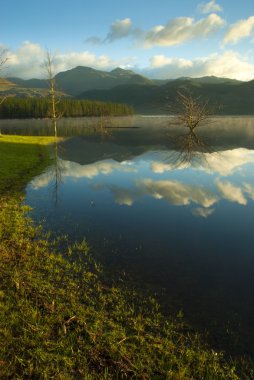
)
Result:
{"points": [[190, 147], [56, 174], [102, 128], [3, 60]]}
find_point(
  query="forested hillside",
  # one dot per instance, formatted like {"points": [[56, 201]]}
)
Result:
{"points": [[18, 108]]}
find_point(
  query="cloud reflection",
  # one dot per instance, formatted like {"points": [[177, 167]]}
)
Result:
{"points": [[150, 183], [224, 163], [231, 192], [202, 212], [249, 189], [74, 170], [177, 193], [122, 195], [174, 192]]}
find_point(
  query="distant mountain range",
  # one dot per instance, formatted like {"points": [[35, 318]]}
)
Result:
{"points": [[148, 96], [75, 81]]}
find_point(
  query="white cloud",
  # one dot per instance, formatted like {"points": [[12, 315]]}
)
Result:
{"points": [[230, 64], [27, 61], [241, 29], [161, 60], [182, 29], [119, 29], [209, 7], [175, 32], [231, 192]]}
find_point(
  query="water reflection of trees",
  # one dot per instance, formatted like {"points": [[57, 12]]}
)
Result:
{"points": [[102, 127], [189, 147], [57, 170]]}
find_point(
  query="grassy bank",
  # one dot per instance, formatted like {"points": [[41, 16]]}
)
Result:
{"points": [[22, 157], [59, 319]]}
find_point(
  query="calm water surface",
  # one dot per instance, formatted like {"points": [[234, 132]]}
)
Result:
{"points": [[174, 211]]}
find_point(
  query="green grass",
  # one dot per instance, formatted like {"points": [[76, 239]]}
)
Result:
{"points": [[22, 157], [60, 318]]}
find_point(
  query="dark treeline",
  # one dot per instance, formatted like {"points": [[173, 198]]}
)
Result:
{"points": [[21, 108]]}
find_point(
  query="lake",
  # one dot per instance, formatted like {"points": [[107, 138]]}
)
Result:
{"points": [[173, 211]]}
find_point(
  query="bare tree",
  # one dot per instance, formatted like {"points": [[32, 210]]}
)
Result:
{"points": [[48, 65], [3, 60], [192, 111], [57, 170], [3, 99], [3, 57], [54, 115]]}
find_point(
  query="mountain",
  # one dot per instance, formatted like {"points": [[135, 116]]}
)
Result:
{"points": [[6, 84], [211, 79], [29, 83], [226, 96], [20, 88], [144, 98], [82, 79]]}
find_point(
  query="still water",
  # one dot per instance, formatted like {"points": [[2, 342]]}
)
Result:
{"points": [[173, 210]]}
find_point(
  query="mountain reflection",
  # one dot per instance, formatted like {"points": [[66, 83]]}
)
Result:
{"points": [[156, 175]]}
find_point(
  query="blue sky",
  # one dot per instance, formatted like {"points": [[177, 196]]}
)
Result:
{"points": [[160, 39]]}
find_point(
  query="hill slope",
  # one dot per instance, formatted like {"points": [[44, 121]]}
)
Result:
{"points": [[82, 79], [226, 96]]}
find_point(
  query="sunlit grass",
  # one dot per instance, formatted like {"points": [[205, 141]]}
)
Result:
{"points": [[22, 157], [41, 140]]}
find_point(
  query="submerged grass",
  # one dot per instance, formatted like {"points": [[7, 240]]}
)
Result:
{"points": [[59, 319]]}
